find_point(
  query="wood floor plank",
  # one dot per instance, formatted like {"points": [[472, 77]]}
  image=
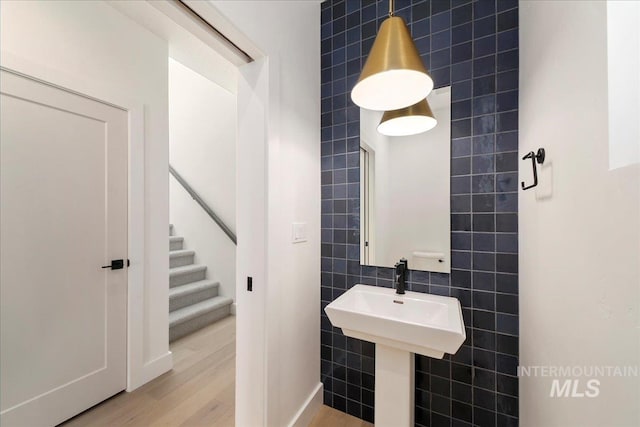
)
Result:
{"points": [[181, 378], [198, 391], [329, 417], [204, 391], [216, 412]]}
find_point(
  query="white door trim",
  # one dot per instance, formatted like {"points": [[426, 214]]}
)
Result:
{"points": [[139, 370]]}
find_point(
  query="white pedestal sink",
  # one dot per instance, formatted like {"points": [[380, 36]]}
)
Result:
{"points": [[399, 325]]}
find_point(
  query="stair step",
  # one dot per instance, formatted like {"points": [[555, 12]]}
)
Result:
{"points": [[192, 293], [188, 319], [181, 257], [170, 229], [186, 274], [175, 243]]}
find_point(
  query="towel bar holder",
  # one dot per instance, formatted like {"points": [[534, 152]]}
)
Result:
{"points": [[535, 158]]}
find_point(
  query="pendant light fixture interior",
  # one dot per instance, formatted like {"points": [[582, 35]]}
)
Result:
{"points": [[394, 75], [411, 120]]}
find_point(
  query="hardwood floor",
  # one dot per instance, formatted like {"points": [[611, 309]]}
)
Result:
{"points": [[199, 391], [329, 417]]}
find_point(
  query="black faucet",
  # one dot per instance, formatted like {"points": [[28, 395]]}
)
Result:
{"points": [[401, 272]]}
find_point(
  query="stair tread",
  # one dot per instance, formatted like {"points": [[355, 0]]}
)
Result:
{"points": [[186, 269], [181, 252], [176, 238], [190, 312], [189, 288]]}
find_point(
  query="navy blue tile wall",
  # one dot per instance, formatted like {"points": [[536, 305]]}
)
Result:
{"points": [[472, 46]]}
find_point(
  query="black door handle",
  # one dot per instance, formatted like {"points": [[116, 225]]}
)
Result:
{"points": [[535, 157], [116, 264]]}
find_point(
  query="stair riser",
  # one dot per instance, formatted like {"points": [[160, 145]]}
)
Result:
{"points": [[183, 279], [174, 246], [190, 299], [180, 261], [199, 322]]}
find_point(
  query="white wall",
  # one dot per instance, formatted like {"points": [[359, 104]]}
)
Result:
{"points": [[190, 43], [202, 149], [91, 48], [284, 89], [580, 229], [623, 58]]}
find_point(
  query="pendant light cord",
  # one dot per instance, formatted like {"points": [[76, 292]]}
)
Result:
{"points": [[391, 7]]}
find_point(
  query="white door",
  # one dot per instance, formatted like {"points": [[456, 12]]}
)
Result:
{"points": [[63, 216]]}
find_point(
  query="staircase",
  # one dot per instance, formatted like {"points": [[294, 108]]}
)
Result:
{"points": [[193, 299]]}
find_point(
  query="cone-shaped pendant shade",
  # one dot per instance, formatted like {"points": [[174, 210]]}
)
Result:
{"points": [[412, 120], [394, 75]]}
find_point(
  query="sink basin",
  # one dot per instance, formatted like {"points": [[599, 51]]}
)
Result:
{"points": [[425, 324], [399, 325]]}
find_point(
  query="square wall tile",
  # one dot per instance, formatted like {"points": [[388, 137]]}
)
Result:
{"points": [[471, 45]]}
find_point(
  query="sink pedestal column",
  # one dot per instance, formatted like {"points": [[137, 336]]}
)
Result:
{"points": [[394, 387]]}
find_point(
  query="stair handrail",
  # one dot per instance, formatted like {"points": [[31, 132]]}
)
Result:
{"points": [[195, 196]]}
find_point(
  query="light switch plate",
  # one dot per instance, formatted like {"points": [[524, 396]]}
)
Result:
{"points": [[299, 232]]}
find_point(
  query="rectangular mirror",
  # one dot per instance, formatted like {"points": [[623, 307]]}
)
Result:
{"points": [[404, 192]]}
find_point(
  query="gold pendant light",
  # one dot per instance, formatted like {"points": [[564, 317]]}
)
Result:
{"points": [[412, 120], [394, 75]]}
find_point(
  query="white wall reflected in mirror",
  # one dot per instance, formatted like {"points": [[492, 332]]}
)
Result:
{"points": [[404, 192]]}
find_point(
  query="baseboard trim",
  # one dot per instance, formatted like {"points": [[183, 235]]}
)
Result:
{"points": [[153, 369], [233, 309], [308, 410]]}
